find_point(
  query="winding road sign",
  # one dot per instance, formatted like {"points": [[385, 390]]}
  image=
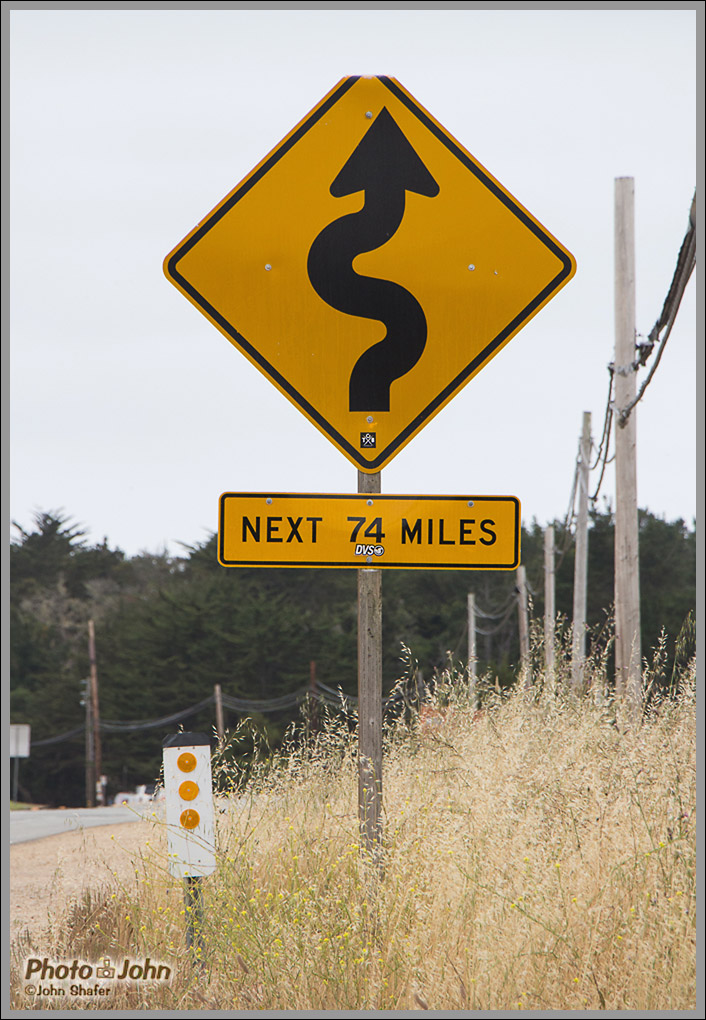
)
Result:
{"points": [[369, 266]]}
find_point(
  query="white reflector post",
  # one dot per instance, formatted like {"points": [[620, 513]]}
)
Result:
{"points": [[189, 803]]}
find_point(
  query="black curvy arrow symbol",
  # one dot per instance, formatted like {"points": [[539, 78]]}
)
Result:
{"points": [[383, 165]]}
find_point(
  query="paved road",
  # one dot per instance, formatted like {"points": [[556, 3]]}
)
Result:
{"points": [[28, 825]]}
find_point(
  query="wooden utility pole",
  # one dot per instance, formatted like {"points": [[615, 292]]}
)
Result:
{"points": [[628, 653], [549, 607], [472, 656], [95, 715], [90, 763], [523, 619], [578, 632], [218, 699], [370, 694]]}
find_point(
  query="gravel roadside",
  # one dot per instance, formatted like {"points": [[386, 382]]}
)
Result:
{"points": [[46, 875]]}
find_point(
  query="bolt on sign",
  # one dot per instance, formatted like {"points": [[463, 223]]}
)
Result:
{"points": [[370, 267], [189, 805], [412, 532]]}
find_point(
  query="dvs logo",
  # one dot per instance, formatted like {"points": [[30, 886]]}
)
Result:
{"points": [[369, 550]]}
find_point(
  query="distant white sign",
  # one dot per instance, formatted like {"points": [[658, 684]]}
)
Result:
{"points": [[19, 740]]}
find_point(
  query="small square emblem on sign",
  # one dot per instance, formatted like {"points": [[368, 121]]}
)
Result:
{"points": [[367, 440]]}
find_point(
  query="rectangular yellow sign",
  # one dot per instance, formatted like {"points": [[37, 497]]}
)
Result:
{"points": [[274, 529]]}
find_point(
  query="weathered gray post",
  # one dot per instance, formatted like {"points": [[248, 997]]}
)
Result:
{"points": [[523, 620], [370, 695], [218, 698], [578, 633], [628, 670], [472, 656], [549, 607]]}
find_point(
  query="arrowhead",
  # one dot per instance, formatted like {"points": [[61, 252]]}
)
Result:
{"points": [[384, 157]]}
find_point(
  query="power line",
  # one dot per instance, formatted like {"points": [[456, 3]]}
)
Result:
{"points": [[503, 622], [236, 704], [265, 705], [602, 455], [496, 615], [686, 262], [114, 726], [569, 518], [60, 736], [607, 417]]}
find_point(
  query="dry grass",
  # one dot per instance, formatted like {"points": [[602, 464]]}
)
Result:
{"points": [[535, 857]]}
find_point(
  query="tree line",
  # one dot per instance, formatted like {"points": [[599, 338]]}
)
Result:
{"points": [[168, 628]]}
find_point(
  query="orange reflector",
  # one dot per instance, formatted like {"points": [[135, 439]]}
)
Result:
{"points": [[189, 818], [186, 761], [188, 790]]}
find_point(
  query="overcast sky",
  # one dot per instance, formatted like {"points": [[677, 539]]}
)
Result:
{"points": [[132, 413]]}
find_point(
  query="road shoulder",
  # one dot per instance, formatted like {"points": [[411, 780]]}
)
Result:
{"points": [[47, 875]]}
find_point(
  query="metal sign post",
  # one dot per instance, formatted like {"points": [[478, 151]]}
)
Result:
{"points": [[19, 748], [370, 694]]}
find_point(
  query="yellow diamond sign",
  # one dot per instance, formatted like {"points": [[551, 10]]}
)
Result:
{"points": [[369, 266]]}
